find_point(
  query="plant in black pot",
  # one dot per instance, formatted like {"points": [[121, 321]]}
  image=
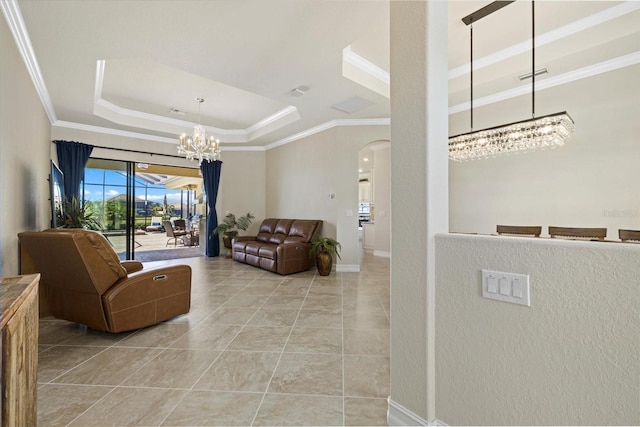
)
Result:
{"points": [[231, 225], [324, 248]]}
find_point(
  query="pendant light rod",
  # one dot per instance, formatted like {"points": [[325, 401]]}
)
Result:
{"points": [[471, 73], [533, 58], [485, 11]]}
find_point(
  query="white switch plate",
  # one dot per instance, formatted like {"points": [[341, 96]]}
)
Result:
{"points": [[518, 287]]}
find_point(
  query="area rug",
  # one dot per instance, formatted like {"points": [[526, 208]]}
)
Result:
{"points": [[165, 254]]}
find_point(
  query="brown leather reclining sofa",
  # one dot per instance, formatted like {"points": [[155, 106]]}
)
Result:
{"points": [[85, 282], [282, 246]]}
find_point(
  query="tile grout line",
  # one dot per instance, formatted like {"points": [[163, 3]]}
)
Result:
{"points": [[281, 353]]}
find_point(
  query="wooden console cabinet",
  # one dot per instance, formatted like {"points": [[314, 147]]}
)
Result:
{"points": [[19, 350]]}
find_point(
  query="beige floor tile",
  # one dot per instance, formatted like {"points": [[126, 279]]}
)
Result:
{"points": [[58, 331], [237, 281], [307, 373], [296, 410], [290, 290], [101, 369], [255, 289], [55, 361], [373, 342], [266, 281], [58, 405], [365, 411], [131, 407], [215, 408], [173, 369], [322, 302], [319, 319], [246, 301], [284, 301], [366, 376], [91, 337], [325, 289], [274, 317], [230, 316], [315, 340], [207, 337], [366, 320], [226, 289], [239, 371], [159, 336], [261, 338]]}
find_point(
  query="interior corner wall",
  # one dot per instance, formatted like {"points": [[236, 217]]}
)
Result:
{"points": [[589, 182], [24, 154], [301, 175], [242, 186], [571, 358]]}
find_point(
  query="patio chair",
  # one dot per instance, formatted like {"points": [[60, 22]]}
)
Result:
{"points": [[156, 224], [173, 234]]}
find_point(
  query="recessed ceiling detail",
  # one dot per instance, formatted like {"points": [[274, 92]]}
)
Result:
{"points": [[352, 105], [112, 103]]}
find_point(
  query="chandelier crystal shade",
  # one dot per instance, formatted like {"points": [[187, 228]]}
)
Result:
{"points": [[198, 145], [543, 132], [548, 131]]}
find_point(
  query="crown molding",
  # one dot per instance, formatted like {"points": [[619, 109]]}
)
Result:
{"points": [[350, 57], [571, 76], [551, 36], [13, 16], [328, 125]]}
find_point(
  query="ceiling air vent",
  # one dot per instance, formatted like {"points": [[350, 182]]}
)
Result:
{"points": [[352, 105]]}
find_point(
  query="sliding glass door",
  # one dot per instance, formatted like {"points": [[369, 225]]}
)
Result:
{"points": [[131, 201]]}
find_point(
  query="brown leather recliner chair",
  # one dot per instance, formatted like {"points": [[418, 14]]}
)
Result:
{"points": [[85, 282]]}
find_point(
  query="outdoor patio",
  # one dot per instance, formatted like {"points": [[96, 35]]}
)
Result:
{"points": [[154, 246]]}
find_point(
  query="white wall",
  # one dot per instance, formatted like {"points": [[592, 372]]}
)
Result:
{"points": [[24, 154], [382, 197], [590, 182], [301, 175], [569, 359]]}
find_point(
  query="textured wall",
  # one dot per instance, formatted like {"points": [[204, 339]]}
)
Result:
{"points": [[418, 194], [300, 176], [382, 198], [573, 357], [24, 154]]}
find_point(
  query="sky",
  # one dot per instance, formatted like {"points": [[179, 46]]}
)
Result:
{"points": [[115, 182]]}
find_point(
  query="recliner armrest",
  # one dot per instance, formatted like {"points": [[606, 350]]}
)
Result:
{"points": [[132, 266]]}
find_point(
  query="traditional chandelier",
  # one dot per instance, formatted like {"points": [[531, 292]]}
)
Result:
{"points": [[197, 145], [549, 131]]}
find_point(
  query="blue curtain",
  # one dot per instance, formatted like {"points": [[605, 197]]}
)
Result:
{"points": [[211, 179], [72, 157]]}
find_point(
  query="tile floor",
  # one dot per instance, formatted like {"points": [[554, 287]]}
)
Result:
{"points": [[255, 349]]}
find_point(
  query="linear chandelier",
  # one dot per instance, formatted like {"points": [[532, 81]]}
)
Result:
{"points": [[198, 145], [548, 131]]}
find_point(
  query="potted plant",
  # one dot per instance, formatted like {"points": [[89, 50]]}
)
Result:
{"points": [[324, 248], [230, 226], [77, 214]]}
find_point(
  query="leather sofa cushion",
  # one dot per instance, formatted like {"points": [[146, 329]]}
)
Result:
{"points": [[301, 231], [267, 228], [268, 251]]}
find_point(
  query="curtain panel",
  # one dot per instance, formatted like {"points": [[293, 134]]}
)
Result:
{"points": [[72, 158], [211, 180]]}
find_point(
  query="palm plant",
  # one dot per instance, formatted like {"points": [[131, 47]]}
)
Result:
{"points": [[77, 214], [231, 225]]}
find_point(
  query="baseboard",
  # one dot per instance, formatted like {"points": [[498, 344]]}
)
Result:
{"points": [[382, 254], [398, 415], [348, 268]]}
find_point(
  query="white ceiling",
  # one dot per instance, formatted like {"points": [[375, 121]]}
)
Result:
{"points": [[122, 65]]}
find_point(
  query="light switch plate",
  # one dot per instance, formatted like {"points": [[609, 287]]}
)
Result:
{"points": [[517, 285]]}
